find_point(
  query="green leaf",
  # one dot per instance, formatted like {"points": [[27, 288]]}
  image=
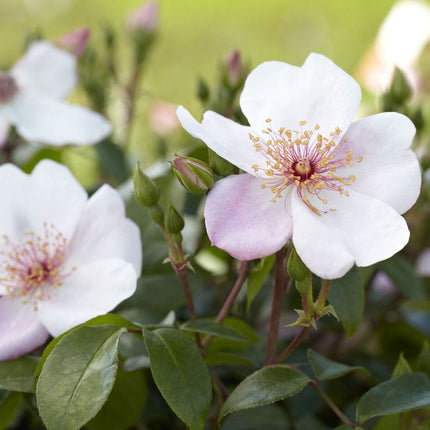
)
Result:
{"points": [[17, 375], [111, 319], [213, 328], [263, 387], [346, 295], [407, 392], [9, 407], [180, 374], [390, 422], [402, 367], [256, 279], [403, 275], [124, 405], [326, 369], [112, 160], [78, 376]]}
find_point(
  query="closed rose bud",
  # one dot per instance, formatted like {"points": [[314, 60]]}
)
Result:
{"points": [[145, 189], [194, 175], [174, 222], [236, 70], [144, 18], [75, 41]]}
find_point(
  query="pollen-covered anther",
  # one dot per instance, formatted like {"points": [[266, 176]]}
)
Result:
{"points": [[8, 87], [305, 159], [34, 265]]}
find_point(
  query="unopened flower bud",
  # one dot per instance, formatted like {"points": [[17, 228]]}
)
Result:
{"points": [[144, 18], [399, 92], [194, 175], [145, 189], [218, 165], [75, 41], [175, 222], [236, 70], [299, 272]]}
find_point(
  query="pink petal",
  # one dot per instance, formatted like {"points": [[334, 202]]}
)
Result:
{"points": [[20, 329], [319, 92], [389, 170], [241, 219], [92, 290], [47, 70]]}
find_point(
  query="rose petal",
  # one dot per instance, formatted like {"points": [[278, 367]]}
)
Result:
{"points": [[389, 170], [47, 70], [319, 92], [358, 228], [20, 329], [227, 138], [104, 232], [92, 290], [4, 127], [241, 219], [42, 120], [50, 195]]}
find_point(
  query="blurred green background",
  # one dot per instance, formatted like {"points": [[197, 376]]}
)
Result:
{"points": [[195, 35]]}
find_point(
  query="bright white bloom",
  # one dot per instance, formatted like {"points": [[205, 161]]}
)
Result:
{"points": [[399, 43], [335, 188], [30, 99], [64, 258]]}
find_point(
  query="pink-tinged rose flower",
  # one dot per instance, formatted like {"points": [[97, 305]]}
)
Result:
{"points": [[30, 99], [65, 258], [144, 18], [75, 41], [335, 188]]}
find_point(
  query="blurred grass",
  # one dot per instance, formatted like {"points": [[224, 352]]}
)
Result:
{"points": [[195, 35]]}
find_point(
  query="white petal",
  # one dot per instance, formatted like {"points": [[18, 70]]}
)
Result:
{"points": [[360, 229], [319, 92], [42, 120], [20, 329], [46, 69], [389, 170], [241, 219], [227, 138], [104, 232], [50, 194], [4, 127], [91, 290]]}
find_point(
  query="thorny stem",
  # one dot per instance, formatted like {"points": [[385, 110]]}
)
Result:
{"points": [[332, 405], [243, 273], [279, 290], [293, 345]]}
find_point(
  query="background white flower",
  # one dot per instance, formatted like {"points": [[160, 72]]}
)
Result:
{"points": [[30, 99], [336, 189], [64, 258]]}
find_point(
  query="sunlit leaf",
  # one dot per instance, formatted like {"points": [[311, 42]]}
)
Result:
{"points": [[77, 376]]}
